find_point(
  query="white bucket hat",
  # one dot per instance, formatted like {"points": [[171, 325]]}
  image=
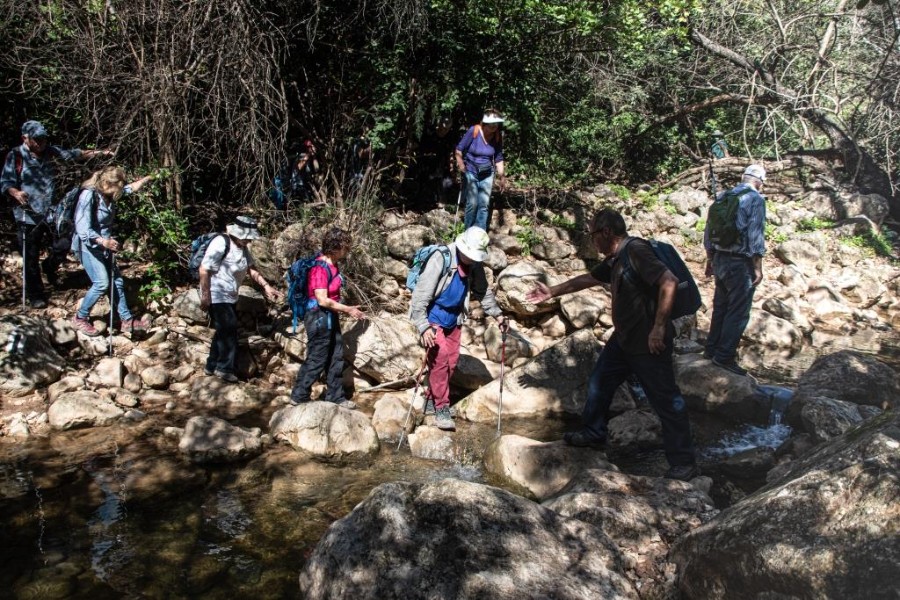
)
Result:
{"points": [[756, 171], [243, 228], [473, 242], [491, 119]]}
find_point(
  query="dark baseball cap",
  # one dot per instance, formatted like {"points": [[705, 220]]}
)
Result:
{"points": [[34, 129]]}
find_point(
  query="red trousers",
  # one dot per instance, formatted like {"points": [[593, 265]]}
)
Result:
{"points": [[442, 359]]}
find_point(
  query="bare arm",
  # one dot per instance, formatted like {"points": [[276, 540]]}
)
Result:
{"points": [[271, 293], [667, 283], [205, 298], [542, 291], [329, 304]]}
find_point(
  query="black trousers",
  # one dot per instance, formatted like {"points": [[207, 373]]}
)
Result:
{"points": [[223, 349], [34, 239], [324, 352]]}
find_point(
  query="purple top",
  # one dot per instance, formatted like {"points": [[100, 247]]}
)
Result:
{"points": [[477, 152]]}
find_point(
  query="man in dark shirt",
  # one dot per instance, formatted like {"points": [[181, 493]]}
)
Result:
{"points": [[641, 344]]}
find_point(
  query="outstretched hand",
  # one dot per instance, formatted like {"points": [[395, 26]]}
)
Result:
{"points": [[539, 293], [354, 312]]}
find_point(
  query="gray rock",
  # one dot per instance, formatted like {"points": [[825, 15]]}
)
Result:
{"points": [[432, 443], [853, 377], [62, 332], [390, 415], [402, 243], [325, 430], [496, 260], [28, 360], [251, 301], [636, 429], [187, 306], [517, 345], [65, 385], [454, 539], [208, 439], [514, 283], [583, 309], [396, 269], [687, 200], [872, 206], [826, 418], [472, 372], [228, 400], [83, 409], [770, 331], [109, 372], [828, 528], [800, 253], [541, 468], [384, 347], [707, 388], [133, 383], [156, 378]]}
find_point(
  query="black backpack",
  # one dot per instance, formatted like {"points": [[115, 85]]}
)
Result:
{"points": [[687, 296], [721, 219]]}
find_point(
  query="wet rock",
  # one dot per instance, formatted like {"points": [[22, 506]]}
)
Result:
{"points": [[209, 440], [325, 430], [432, 443], [28, 360], [635, 429], [390, 414], [384, 347], [853, 377], [156, 378], [65, 385], [154, 479], [402, 243], [827, 529], [751, 464], [583, 309], [514, 282], [454, 539], [109, 372], [83, 409], [187, 306], [555, 381], [16, 426], [643, 516], [708, 388], [133, 383], [542, 468], [227, 399]]}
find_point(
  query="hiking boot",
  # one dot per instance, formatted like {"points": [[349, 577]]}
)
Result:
{"points": [[229, 377], [730, 366], [683, 472], [84, 326], [50, 273], [429, 407], [707, 355], [208, 372], [348, 404], [443, 420], [38, 303], [584, 439], [132, 325]]}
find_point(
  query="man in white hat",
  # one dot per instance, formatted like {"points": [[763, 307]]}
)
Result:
{"points": [[225, 264], [735, 243], [440, 304]]}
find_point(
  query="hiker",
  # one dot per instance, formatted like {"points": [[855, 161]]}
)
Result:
{"points": [[225, 264], [306, 166], [719, 147], [479, 157], [737, 268], [440, 304], [641, 344], [29, 178], [95, 247], [324, 342]]}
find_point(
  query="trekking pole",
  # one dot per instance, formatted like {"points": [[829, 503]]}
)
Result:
{"points": [[502, 373], [712, 178], [413, 402], [112, 287], [24, 262], [458, 200]]}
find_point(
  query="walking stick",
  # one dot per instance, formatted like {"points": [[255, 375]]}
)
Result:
{"points": [[413, 402], [458, 200], [112, 287], [24, 262], [503, 333]]}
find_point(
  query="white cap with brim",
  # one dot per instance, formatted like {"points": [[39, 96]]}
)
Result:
{"points": [[243, 228], [473, 243], [756, 171], [491, 119]]}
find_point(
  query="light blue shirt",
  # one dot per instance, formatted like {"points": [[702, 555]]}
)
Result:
{"points": [[88, 226], [750, 222], [37, 179]]}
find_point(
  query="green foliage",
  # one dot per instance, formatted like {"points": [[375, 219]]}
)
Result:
{"points": [[700, 225], [452, 232], [871, 244], [526, 235], [774, 236], [562, 222], [622, 192], [813, 224]]}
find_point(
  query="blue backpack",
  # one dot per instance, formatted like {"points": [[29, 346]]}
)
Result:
{"points": [[687, 296], [198, 251], [420, 259], [298, 282]]}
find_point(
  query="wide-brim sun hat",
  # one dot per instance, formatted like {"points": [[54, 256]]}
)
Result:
{"points": [[491, 119], [757, 171], [243, 228], [473, 243]]}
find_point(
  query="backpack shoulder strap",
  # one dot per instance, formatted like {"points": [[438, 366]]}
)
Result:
{"points": [[627, 270]]}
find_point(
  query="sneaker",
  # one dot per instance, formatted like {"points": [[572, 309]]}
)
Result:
{"points": [[443, 420], [132, 325], [730, 366], [84, 326], [38, 303], [683, 472], [348, 404], [229, 377], [584, 439]]}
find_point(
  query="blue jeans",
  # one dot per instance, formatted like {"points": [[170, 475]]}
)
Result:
{"points": [[223, 349], [96, 264], [731, 305], [324, 352], [478, 200], [657, 376]]}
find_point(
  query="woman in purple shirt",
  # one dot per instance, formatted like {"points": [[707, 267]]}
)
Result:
{"points": [[479, 156]]}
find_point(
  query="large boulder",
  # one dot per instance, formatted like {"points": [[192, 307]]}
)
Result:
{"points": [[853, 377], [432, 443], [455, 539], [384, 347], [542, 468], [707, 388], [402, 243], [825, 418], [227, 399], [83, 409], [28, 360], [390, 416], [553, 382], [583, 309], [325, 430], [828, 528], [210, 440], [801, 254], [514, 282], [187, 306], [635, 429], [472, 372], [686, 199], [643, 516], [770, 331], [873, 206]]}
